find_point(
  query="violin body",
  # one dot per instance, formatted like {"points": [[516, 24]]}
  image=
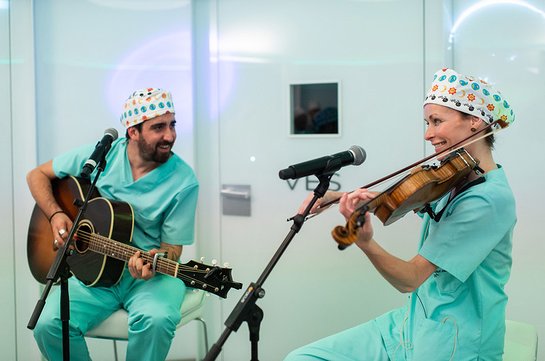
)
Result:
{"points": [[412, 193], [423, 186]]}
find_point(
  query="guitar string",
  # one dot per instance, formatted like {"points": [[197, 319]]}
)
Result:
{"points": [[118, 248], [163, 265]]}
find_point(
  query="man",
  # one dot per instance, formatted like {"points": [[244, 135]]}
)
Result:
{"points": [[162, 190]]}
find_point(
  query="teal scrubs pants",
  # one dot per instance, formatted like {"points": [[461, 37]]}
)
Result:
{"points": [[153, 307], [341, 346]]}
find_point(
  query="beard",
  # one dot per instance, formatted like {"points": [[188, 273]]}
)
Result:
{"points": [[150, 152]]}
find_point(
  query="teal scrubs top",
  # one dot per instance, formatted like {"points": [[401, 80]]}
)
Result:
{"points": [[165, 215], [458, 313]]}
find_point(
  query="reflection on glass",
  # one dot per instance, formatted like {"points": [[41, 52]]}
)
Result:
{"points": [[481, 5]]}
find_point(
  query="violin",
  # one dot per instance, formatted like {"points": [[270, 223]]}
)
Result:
{"points": [[413, 192]]}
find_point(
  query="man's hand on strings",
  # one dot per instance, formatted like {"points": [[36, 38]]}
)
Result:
{"points": [[60, 224], [139, 268]]}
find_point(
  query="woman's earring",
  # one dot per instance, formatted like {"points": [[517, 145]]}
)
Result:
{"points": [[473, 130]]}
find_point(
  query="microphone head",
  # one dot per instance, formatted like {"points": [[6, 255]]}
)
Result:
{"points": [[112, 132], [359, 154]]}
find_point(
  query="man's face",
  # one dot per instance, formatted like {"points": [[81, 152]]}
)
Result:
{"points": [[156, 138]]}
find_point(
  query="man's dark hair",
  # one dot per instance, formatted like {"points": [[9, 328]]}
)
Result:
{"points": [[137, 126]]}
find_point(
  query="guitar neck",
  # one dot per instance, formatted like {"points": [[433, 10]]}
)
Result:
{"points": [[213, 279], [124, 252]]}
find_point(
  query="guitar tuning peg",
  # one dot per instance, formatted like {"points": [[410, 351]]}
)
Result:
{"points": [[226, 265], [214, 262], [202, 259]]}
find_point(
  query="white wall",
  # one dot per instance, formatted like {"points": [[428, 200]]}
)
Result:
{"points": [[384, 54], [7, 259], [381, 87], [513, 58], [18, 340], [67, 67]]}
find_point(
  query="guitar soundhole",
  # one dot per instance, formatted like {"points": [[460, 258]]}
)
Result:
{"points": [[83, 236]]}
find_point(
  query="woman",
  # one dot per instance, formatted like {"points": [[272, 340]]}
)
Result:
{"points": [[456, 310]]}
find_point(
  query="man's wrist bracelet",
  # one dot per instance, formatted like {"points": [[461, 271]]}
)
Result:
{"points": [[53, 215]]}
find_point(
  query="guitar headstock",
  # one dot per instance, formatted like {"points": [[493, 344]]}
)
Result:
{"points": [[214, 279]]}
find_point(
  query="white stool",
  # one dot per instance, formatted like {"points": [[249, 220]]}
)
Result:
{"points": [[520, 342], [116, 327]]}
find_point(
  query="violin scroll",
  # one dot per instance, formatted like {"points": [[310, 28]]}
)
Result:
{"points": [[348, 234]]}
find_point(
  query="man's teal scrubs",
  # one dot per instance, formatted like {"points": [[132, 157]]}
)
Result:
{"points": [[164, 202]]}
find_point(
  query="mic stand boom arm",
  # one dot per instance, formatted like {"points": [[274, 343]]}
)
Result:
{"points": [[246, 308]]}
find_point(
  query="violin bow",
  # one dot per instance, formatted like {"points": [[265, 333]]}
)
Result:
{"points": [[453, 148]]}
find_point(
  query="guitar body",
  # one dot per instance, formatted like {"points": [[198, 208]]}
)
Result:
{"points": [[104, 217], [101, 244], [113, 220]]}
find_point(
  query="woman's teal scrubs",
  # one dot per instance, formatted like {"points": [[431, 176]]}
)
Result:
{"points": [[458, 313]]}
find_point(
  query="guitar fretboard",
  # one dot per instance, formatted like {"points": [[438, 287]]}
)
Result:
{"points": [[123, 252]]}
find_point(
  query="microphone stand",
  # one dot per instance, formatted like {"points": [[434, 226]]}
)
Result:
{"points": [[246, 309], [61, 269]]}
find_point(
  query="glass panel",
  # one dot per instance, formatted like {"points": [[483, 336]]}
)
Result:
{"points": [[91, 55], [7, 313], [373, 51], [504, 42]]}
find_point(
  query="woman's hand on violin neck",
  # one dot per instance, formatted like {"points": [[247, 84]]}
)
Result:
{"points": [[365, 234], [348, 203]]}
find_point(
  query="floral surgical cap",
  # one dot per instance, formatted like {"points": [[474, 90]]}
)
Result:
{"points": [[469, 95]]}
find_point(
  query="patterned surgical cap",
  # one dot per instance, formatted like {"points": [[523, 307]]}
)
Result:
{"points": [[146, 104], [469, 95]]}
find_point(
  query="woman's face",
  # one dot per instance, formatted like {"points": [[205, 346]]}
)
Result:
{"points": [[445, 126]]}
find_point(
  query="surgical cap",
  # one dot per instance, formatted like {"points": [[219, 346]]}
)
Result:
{"points": [[145, 104], [469, 95]]}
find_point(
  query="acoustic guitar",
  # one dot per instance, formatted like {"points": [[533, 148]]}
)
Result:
{"points": [[101, 244]]}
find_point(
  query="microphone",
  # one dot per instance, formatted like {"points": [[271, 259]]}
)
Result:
{"points": [[102, 147], [328, 164]]}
